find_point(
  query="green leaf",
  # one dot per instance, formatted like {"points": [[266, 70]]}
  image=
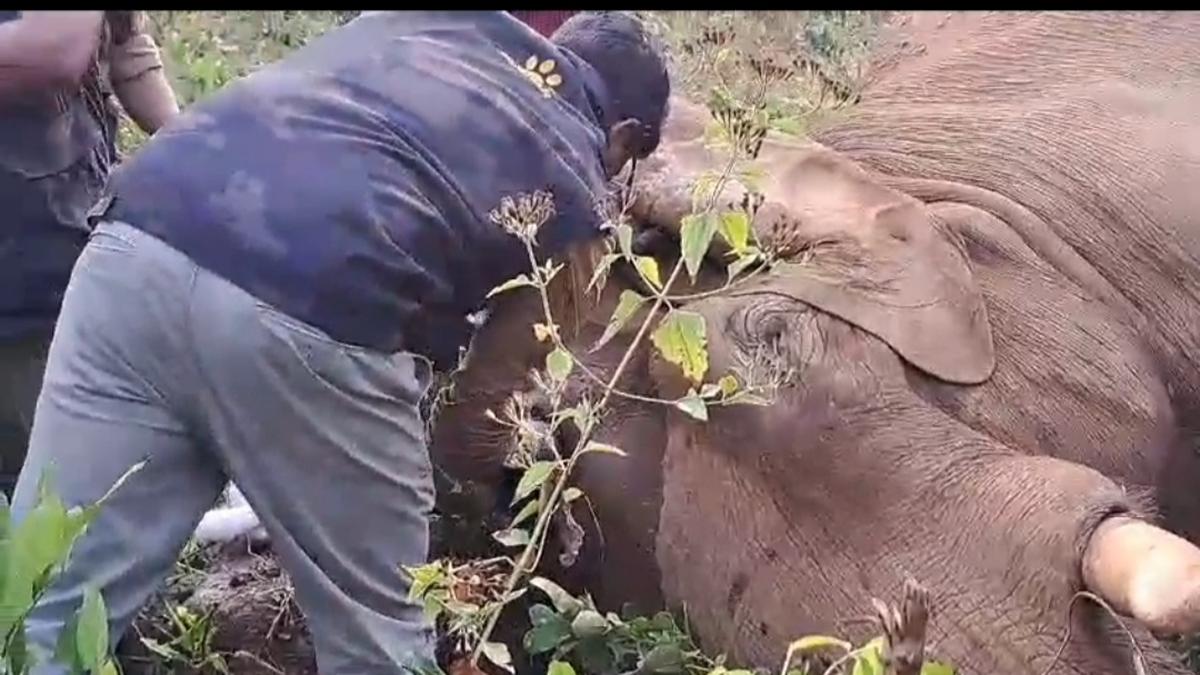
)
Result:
{"points": [[693, 405], [548, 632], [566, 605], [498, 654], [593, 446], [868, 661], [65, 651], [681, 339], [935, 668], [745, 260], [648, 268], [425, 577], [664, 658], [532, 479], [571, 494], [695, 235], [560, 668], [589, 623], [528, 511], [516, 282], [511, 537], [735, 230], [595, 656], [728, 384], [627, 306], [91, 635], [559, 364], [109, 668]]}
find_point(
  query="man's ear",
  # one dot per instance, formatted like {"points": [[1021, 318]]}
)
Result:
{"points": [[625, 142]]}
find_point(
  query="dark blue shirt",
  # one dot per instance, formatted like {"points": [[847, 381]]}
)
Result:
{"points": [[56, 149], [350, 184]]}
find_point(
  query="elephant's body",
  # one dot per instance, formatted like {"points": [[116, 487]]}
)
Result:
{"points": [[1076, 139], [989, 350]]}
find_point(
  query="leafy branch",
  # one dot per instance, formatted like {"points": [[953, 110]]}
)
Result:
{"points": [[679, 336]]}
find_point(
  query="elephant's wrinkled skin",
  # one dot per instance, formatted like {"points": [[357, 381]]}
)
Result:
{"points": [[990, 336]]}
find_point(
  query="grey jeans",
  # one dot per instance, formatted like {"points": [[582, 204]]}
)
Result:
{"points": [[21, 365], [156, 359]]}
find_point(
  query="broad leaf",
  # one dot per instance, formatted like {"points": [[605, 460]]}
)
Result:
{"points": [[681, 339], [735, 230], [627, 306], [516, 282], [549, 630], [664, 658], [511, 537], [498, 654], [935, 668], [648, 267], [693, 405], [728, 384], [748, 258], [532, 479], [868, 661], [589, 623], [695, 235], [91, 635], [566, 605], [560, 668], [559, 364], [528, 511]]}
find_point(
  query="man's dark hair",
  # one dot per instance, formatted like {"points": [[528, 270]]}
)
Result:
{"points": [[631, 64]]}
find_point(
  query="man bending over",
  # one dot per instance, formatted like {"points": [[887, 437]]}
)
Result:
{"points": [[271, 276]]}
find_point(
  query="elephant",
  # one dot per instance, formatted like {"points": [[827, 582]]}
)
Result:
{"points": [[984, 331]]}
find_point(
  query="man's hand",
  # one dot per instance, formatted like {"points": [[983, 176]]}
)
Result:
{"points": [[46, 52]]}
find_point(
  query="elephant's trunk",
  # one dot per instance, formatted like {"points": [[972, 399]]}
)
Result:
{"points": [[1147, 573]]}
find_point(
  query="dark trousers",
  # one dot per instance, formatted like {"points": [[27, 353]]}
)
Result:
{"points": [[22, 363]]}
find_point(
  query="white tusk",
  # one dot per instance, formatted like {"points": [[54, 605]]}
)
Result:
{"points": [[1147, 573]]}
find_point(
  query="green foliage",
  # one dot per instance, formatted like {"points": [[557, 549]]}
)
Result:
{"points": [[32, 555], [190, 643], [575, 635], [203, 51]]}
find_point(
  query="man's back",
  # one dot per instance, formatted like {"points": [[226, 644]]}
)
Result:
{"points": [[349, 184]]}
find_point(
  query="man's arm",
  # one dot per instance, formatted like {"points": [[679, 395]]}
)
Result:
{"points": [[42, 51], [137, 73]]}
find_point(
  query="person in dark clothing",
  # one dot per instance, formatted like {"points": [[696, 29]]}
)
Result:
{"points": [[271, 277], [59, 74]]}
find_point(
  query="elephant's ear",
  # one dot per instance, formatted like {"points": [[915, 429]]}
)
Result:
{"points": [[882, 262]]}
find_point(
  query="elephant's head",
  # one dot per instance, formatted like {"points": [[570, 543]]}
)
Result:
{"points": [[770, 522]]}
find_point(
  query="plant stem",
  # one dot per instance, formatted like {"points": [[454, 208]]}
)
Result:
{"points": [[536, 537]]}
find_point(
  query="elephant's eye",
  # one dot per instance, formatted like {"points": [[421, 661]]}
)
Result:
{"points": [[775, 335]]}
